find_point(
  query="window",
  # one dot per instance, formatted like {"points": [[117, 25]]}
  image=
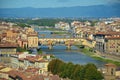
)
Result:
{"points": [[117, 50], [112, 73]]}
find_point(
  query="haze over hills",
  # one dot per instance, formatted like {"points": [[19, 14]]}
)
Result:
{"points": [[77, 11]]}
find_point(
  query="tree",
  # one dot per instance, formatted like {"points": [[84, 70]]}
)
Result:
{"points": [[19, 49], [54, 66], [91, 73], [78, 73], [39, 51], [74, 72], [69, 69]]}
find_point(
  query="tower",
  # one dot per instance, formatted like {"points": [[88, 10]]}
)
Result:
{"points": [[110, 71]]}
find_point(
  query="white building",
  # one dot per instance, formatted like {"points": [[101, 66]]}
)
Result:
{"points": [[62, 25]]}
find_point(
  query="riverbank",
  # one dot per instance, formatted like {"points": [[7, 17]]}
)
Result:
{"points": [[99, 56], [60, 33]]}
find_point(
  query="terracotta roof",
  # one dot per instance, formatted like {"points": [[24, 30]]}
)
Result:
{"points": [[7, 44], [112, 37], [89, 39], [30, 58], [21, 59], [32, 34], [14, 73], [55, 77], [102, 33], [24, 40], [109, 33], [38, 58], [19, 53], [36, 77], [1, 64], [2, 67], [110, 64], [3, 79], [41, 60], [33, 70]]}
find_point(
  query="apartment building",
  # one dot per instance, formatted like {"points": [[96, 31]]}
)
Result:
{"points": [[113, 45], [107, 42]]}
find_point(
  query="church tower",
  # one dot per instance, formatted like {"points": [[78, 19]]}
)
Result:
{"points": [[110, 71]]}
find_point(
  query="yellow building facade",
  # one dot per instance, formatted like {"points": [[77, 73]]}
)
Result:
{"points": [[113, 45], [8, 48], [32, 41]]}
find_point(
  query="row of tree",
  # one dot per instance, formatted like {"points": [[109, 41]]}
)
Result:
{"points": [[74, 71], [43, 21]]}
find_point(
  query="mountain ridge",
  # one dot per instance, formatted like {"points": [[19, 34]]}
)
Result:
{"points": [[76, 11]]}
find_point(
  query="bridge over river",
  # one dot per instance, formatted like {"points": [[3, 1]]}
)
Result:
{"points": [[59, 50], [68, 42]]}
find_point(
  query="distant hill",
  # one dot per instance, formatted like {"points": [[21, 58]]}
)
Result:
{"points": [[78, 11]]}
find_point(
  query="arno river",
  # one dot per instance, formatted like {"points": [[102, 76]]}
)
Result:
{"points": [[74, 55]]}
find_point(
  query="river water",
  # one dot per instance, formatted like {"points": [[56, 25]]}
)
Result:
{"points": [[74, 55]]}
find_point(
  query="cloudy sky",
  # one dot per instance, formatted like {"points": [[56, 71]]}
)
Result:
{"points": [[53, 3]]}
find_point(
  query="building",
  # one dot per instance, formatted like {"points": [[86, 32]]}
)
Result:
{"points": [[107, 42], [76, 24], [22, 43], [15, 59], [24, 60], [100, 41], [110, 72], [112, 45], [28, 30], [8, 48], [32, 40], [30, 61], [10, 35], [7, 73], [62, 25]]}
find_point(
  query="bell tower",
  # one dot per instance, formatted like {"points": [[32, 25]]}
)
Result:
{"points": [[110, 71]]}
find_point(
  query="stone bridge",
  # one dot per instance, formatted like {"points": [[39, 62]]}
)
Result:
{"points": [[68, 42]]}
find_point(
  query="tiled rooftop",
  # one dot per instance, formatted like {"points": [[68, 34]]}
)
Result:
{"points": [[7, 44]]}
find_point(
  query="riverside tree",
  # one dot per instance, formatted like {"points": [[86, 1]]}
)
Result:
{"points": [[74, 72]]}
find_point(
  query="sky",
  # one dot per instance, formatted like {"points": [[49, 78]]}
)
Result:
{"points": [[53, 3]]}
